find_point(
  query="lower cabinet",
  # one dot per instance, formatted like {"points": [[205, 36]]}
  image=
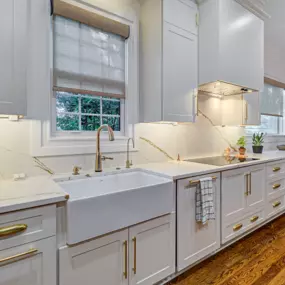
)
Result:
{"points": [[143, 254], [194, 240], [29, 264]]}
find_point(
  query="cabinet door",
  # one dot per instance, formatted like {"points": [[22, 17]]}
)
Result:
{"points": [[180, 74], [194, 240], [251, 109], [233, 194], [29, 264], [13, 56], [100, 261], [256, 195], [182, 14], [152, 250]]}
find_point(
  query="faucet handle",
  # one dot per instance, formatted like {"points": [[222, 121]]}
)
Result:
{"points": [[107, 158], [76, 170]]}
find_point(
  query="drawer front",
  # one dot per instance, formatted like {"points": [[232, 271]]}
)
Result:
{"points": [[22, 227], [275, 170], [238, 228], [275, 186], [275, 206]]}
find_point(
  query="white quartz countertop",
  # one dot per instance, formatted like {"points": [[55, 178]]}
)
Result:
{"points": [[182, 169], [43, 190], [31, 192]]}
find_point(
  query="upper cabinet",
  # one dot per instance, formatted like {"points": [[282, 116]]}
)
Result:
{"points": [[231, 45], [13, 56], [168, 60]]}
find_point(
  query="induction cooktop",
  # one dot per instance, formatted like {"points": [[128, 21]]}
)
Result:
{"points": [[221, 160]]}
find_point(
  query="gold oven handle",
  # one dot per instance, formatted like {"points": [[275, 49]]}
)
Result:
{"points": [[12, 230], [15, 257], [125, 273], [135, 255]]}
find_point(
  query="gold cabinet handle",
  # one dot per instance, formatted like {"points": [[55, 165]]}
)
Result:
{"points": [[249, 183], [135, 255], [275, 169], [16, 257], [276, 186], [237, 227], [246, 182], [254, 219], [276, 204], [125, 273], [12, 230]]}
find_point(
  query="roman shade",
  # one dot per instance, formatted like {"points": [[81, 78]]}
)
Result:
{"points": [[272, 100], [87, 17], [87, 60]]}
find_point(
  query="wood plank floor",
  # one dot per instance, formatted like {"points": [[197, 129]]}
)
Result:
{"points": [[258, 259]]}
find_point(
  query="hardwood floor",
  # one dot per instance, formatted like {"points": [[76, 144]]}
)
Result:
{"points": [[258, 259]]}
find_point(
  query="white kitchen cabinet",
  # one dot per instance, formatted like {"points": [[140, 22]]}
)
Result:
{"points": [[149, 247], [194, 240], [251, 109], [152, 250], [168, 61], [13, 56], [29, 264], [231, 44], [100, 261]]}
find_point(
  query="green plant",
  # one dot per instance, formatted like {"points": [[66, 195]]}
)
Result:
{"points": [[258, 139], [241, 142]]}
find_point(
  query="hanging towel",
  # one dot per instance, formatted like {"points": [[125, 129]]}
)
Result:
{"points": [[205, 209]]}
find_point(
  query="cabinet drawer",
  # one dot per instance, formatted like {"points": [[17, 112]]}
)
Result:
{"points": [[275, 169], [275, 206], [26, 226], [235, 229], [276, 186], [182, 14]]}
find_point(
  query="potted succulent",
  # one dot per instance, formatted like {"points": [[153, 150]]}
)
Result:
{"points": [[257, 141], [241, 143]]}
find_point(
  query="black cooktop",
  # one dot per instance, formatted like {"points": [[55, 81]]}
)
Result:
{"points": [[221, 160]]}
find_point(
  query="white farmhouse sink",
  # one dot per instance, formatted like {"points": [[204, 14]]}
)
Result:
{"points": [[105, 203]]}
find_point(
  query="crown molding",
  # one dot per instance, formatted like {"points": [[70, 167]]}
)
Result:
{"points": [[256, 7]]}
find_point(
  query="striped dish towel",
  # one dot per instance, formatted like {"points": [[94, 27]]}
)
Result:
{"points": [[205, 209]]}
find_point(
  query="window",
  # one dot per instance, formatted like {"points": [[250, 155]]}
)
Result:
{"points": [[89, 77], [272, 109]]}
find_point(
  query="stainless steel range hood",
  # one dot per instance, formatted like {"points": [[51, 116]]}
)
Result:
{"points": [[224, 88]]}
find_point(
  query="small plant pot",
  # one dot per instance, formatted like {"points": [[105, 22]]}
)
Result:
{"points": [[257, 149], [242, 150]]}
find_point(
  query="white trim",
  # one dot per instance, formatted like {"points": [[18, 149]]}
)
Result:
{"points": [[42, 141], [256, 7]]}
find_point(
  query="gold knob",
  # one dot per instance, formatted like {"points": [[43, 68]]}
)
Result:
{"points": [[276, 186], [275, 169], [276, 204], [237, 227], [76, 170], [254, 219]]}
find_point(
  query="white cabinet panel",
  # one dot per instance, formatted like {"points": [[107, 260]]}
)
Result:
{"points": [[182, 14], [100, 261], [180, 74], [251, 109], [194, 240], [13, 56], [35, 266], [152, 250]]}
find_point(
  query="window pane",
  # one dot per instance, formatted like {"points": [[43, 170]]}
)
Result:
{"points": [[65, 122], [111, 107], [90, 123], [65, 103], [90, 105], [113, 122]]}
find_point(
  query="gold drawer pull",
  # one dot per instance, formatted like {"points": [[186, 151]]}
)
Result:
{"points": [[254, 219], [125, 273], [12, 230], [276, 186], [237, 227], [15, 257], [275, 169], [276, 204], [135, 255]]}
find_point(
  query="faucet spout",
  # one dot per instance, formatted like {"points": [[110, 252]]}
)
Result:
{"points": [[128, 162], [98, 161]]}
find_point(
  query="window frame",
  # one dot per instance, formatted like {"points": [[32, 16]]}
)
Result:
{"points": [[45, 142]]}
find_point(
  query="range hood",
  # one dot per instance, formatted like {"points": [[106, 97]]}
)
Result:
{"points": [[224, 89], [231, 49]]}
